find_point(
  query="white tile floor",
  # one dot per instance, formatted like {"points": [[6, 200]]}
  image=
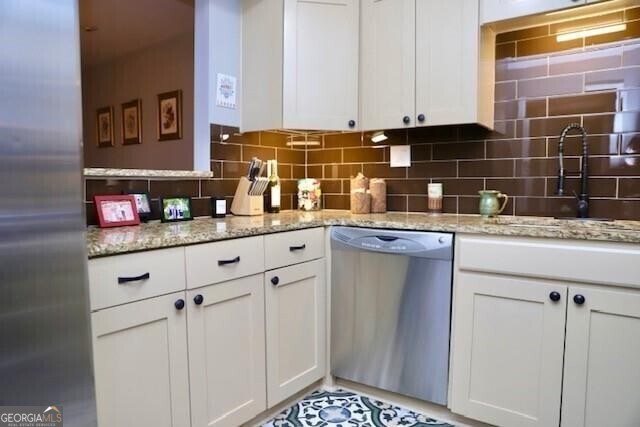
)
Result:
{"points": [[347, 409]]}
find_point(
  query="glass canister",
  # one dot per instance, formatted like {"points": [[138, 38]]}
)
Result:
{"points": [[309, 194]]}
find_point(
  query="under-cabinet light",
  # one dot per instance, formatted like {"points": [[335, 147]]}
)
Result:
{"points": [[591, 32], [378, 137]]}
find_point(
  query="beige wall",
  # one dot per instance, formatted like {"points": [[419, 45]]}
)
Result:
{"points": [[144, 74]]}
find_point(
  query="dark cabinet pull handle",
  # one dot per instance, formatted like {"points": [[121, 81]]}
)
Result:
{"points": [[144, 276], [352, 123], [275, 280], [179, 304], [297, 248], [421, 118], [554, 296], [579, 299], [229, 261], [198, 299], [406, 120]]}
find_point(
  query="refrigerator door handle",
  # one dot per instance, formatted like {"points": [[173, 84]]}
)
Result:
{"points": [[124, 280]]}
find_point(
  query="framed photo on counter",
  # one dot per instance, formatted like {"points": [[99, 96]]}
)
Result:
{"points": [[143, 204], [132, 122], [173, 209], [116, 211]]}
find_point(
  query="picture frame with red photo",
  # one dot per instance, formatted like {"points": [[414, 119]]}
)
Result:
{"points": [[116, 210]]}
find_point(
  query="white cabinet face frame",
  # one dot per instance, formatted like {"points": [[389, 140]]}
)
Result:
{"points": [[295, 299], [227, 352], [141, 366], [507, 350], [320, 70], [602, 359]]}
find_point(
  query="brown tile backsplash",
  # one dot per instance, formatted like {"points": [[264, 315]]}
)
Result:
{"points": [[583, 104], [541, 86], [590, 60]]}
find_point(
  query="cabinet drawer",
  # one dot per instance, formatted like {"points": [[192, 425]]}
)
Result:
{"points": [[578, 261], [125, 278], [293, 247], [221, 261]]}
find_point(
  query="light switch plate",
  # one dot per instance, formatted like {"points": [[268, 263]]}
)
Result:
{"points": [[400, 156]]}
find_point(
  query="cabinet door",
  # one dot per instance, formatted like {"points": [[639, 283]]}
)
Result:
{"points": [[387, 63], [447, 43], [497, 10], [140, 357], [296, 316], [601, 374], [320, 75], [508, 342], [226, 352]]}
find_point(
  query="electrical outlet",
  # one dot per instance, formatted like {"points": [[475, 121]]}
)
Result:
{"points": [[400, 156]]}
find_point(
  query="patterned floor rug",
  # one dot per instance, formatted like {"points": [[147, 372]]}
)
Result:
{"points": [[346, 409]]}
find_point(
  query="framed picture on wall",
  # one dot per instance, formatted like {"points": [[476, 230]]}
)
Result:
{"points": [[132, 122], [104, 127], [170, 115]]}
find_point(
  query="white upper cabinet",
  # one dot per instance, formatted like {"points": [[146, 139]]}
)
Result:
{"points": [[425, 63], [387, 64], [300, 64], [320, 70], [454, 65], [601, 374], [497, 10]]}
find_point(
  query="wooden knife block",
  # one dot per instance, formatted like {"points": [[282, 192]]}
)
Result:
{"points": [[243, 203]]}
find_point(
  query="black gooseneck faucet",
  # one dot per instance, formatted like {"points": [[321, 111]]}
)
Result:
{"points": [[582, 209]]}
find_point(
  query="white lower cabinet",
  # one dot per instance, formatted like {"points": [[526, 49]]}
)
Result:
{"points": [[140, 358], [295, 298], [507, 349], [227, 352], [534, 351], [602, 359]]}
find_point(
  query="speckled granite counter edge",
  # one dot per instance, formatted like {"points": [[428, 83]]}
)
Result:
{"points": [[127, 239], [144, 173]]}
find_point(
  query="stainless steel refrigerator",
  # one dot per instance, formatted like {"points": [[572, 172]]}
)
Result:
{"points": [[45, 340]]}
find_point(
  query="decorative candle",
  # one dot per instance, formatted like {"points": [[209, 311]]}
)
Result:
{"points": [[434, 192]]}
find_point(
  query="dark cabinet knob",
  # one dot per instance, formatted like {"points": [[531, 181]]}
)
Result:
{"points": [[421, 118], [579, 299], [406, 120], [352, 123], [179, 304], [275, 280], [554, 296], [198, 299]]}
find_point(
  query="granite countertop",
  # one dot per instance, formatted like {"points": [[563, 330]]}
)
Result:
{"points": [[155, 235], [144, 173]]}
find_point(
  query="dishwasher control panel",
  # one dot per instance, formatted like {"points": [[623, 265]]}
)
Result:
{"points": [[414, 243]]}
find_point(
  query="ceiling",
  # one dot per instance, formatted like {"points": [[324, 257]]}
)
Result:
{"points": [[125, 26]]}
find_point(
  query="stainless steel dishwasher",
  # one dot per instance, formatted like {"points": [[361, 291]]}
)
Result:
{"points": [[391, 309]]}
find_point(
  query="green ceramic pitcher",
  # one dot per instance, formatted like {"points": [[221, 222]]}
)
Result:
{"points": [[489, 204]]}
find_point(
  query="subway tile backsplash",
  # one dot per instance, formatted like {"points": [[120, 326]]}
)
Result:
{"points": [[541, 86]]}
